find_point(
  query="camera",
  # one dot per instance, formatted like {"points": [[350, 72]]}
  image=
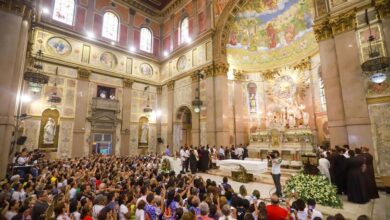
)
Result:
{"points": [[274, 154]]}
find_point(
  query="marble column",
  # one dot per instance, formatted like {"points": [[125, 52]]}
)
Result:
{"points": [[241, 118], [126, 112], [79, 139], [334, 96], [171, 86], [13, 44], [217, 109], [357, 120], [195, 129]]}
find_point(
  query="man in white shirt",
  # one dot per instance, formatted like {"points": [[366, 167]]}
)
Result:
{"points": [[221, 153], [239, 152], [324, 166], [275, 171]]}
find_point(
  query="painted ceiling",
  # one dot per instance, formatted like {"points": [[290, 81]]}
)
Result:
{"points": [[157, 4], [269, 34]]}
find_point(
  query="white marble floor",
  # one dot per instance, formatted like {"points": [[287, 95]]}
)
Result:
{"points": [[378, 209]]}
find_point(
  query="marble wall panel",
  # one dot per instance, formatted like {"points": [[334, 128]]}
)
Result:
{"points": [[65, 139]]}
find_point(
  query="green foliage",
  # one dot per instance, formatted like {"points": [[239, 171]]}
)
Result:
{"points": [[316, 187]]}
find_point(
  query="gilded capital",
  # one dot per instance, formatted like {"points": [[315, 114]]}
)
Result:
{"points": [[128, 83], [209, 70], [171, 85], [83, 74], [20, 8], [383, 7], [238, 75], [221, 69], [305, 64], [270, 74], [195, 75], [322, 30], [344, 22]]}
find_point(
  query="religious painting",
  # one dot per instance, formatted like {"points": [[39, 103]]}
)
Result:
{"points": [[108, 60], [48, 136], [181, 63], [86, 54], [365, 50], [59, 46], [146, 69], [321, 8], [271, 33], [219, 5], [143, 132], [129, 65], [252, 91]]}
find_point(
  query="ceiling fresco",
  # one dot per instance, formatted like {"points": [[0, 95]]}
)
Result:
{"points": [[269, 34]]}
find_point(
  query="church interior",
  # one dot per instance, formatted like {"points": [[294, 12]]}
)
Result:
{"points": [[129, 81]]}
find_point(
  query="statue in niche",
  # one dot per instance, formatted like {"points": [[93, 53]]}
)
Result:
{"points": [[49, 131], [103, 94], [291, 121], [252, 88], [144, 133]]}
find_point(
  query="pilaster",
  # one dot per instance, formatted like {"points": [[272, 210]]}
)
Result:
{"points": [[195, 130], [81, 110], [126, 112], [170, 86]]}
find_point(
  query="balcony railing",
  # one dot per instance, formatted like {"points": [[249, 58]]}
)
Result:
{"points": [[105, 104]]}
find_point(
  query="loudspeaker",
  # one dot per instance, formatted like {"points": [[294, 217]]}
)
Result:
{"points": [[160, 140], [21, 140]]}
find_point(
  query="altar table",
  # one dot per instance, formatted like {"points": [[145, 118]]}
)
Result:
{"points": [[251, 166], [175, 163]]}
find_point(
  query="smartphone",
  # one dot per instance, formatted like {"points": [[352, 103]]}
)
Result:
{"points": [[292, 210], [310, 208]]}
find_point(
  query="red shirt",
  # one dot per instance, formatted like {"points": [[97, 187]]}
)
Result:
{"points": [[275, 212]]}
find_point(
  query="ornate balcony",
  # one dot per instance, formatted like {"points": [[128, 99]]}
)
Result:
{"points": [[105, 104]]}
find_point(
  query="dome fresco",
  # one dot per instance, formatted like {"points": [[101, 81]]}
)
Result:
{"points": [[268, 34]]}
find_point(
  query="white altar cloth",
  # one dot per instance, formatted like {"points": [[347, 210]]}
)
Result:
{"points": [[175, 163], [251, 166]]}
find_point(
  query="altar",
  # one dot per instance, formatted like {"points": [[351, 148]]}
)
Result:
{"points": [[174, 163], [251, 166]]}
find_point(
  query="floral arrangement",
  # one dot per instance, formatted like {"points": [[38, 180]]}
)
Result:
{"points": [[165, 166], [317, 187]]}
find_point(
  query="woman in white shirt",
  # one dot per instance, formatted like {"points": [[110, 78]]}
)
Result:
{"points": [[100, 203], [124, 212], [228, 214], [140, 213]]}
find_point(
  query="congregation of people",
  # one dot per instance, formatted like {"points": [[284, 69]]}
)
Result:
{"points": [[351, 171], [133, 187]]}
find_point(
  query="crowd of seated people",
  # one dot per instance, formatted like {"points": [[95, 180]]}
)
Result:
{"points": [[110, 187]]}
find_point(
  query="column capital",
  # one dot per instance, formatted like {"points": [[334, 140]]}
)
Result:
{"points": [[128, 83], [171, 85], [238, 75], [83, 74], [322, 30], [24, 9], [305, 64], [195, 75], [383, 6], [270, 74], [216, 69]]}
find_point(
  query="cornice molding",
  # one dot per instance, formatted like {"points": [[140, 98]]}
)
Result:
{"points": [[24, 8], [378, 100], [383, 6]]}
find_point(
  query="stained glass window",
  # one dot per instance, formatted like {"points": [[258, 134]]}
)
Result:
{"points": [[184, 31], [110, 26], [64, 11], [146, 40]]}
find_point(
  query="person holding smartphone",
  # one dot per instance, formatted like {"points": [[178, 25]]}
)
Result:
{"points": [[276, 161]]}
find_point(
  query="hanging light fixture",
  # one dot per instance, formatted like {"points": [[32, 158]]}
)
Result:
{"points": [[376, 67], [197, 103], [147, 109], [34, 77], [54, 98]]}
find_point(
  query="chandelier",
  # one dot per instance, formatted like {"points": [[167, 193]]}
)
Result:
{"points": [[35, 79], [147, 109], [197, 103], [54, 98], [376, 67]]}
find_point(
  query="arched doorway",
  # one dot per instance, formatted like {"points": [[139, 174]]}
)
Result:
{"points": [[183, 127]]}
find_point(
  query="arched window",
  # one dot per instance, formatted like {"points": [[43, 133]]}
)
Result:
{"points": [[110, 26], [64, 11], [146, 40], [184, 31]]}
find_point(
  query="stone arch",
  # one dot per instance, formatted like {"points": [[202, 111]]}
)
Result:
{"points": [[223, 27], [183, 127]]}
